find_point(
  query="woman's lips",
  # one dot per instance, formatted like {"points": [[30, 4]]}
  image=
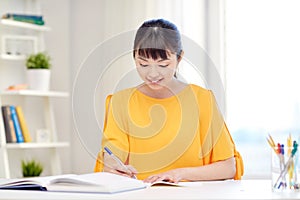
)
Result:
{"points": [[154, 81]]}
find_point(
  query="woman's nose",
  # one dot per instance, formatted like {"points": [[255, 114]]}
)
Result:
{"points": [[153, 72]]}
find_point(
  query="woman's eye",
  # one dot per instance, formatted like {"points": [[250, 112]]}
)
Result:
{"points": [[163, 65], [143, 65]]}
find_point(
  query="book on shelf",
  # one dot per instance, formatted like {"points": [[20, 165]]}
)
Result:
{"points": [[100, 182], [17, 126], [23, 125], [33, 19], [9, 128]]}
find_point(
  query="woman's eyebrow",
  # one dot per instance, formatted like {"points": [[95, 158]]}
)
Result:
{"points": [[142, 58], [160, 60]]}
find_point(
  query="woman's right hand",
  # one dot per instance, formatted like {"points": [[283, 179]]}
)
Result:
{"points": [[112, 166]]}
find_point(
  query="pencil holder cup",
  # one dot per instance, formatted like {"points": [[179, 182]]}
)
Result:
{"points": [[285, 170]]}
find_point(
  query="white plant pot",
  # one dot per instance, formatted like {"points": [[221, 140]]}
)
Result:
{"points": [[38, 79]]}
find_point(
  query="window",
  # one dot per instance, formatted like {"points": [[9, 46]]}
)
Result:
{"points": [[262, 62]]}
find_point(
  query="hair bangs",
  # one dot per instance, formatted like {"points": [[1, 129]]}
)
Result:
{"points": [[153, 53]]}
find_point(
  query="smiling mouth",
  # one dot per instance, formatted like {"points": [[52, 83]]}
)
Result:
{"points": [[155, 81]]}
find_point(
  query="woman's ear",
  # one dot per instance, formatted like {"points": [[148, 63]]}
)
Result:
{"points": [[180, 56]]}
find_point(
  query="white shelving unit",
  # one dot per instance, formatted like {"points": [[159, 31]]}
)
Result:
{"points": [[17, 32], [50, 122]]}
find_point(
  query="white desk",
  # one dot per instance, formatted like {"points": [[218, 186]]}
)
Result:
{"points": [[245, 189]]}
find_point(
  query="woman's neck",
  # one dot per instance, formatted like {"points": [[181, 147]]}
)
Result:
{"points": [[165, 92]]}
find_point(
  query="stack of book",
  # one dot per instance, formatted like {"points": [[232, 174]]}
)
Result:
{"points": [[33, 19], [16, 130]]}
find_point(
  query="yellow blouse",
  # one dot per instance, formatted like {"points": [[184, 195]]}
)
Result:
{"points": [[156, 135]]}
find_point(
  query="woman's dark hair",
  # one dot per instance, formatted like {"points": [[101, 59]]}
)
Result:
{"points": [[156, 39]]}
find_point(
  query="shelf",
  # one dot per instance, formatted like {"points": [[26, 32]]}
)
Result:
{"points": [[34, 93], [25, 25], [12, 57], [32, 145]]}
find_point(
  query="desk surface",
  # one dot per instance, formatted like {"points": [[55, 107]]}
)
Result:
{"points": [[244, 189]]}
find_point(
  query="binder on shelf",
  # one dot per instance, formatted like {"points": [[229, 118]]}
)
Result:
{"points": [[27, 16], [23, 125], [15, 119], [32, 19], [9, 128]]}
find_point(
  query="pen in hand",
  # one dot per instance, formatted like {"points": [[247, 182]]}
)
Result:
{"points": [[124, 168]]}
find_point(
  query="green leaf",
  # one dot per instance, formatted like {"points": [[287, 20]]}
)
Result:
{"points": [[40, 60], [31, 168]]}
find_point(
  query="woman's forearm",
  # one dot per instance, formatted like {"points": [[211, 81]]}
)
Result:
{"points": [[220, 170], [216, 171]]}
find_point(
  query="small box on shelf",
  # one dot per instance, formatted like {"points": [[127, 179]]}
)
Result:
{"points": [[18, 47], [43, 136]]}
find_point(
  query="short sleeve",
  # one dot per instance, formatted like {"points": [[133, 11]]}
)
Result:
{"points": [[220, 141], [114, 137], [223, 146]]}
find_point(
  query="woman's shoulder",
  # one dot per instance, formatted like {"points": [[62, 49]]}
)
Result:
{"points": [[205, 97], [123, 93], [199, 90]]}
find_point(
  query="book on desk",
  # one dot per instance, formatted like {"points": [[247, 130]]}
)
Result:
{"points": [[100, 182]]}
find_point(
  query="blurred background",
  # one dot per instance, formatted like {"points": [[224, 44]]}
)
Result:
{"points": [[253, 45]]}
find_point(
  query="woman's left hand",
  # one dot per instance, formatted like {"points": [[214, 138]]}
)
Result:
{"points": [[172, 176]]}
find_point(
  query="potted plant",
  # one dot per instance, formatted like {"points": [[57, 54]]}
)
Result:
{"points": [[31, 168], [38, 71]]}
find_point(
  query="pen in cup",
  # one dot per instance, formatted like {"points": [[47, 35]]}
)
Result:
{"points": [[120, 163]]}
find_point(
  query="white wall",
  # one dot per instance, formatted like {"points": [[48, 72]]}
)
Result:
{"points": [[58, 44]]}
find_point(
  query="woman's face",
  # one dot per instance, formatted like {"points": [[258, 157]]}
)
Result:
{"points": [[158, 73]]}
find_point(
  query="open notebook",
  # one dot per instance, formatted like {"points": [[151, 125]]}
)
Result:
{"points": [[100, 182]]}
